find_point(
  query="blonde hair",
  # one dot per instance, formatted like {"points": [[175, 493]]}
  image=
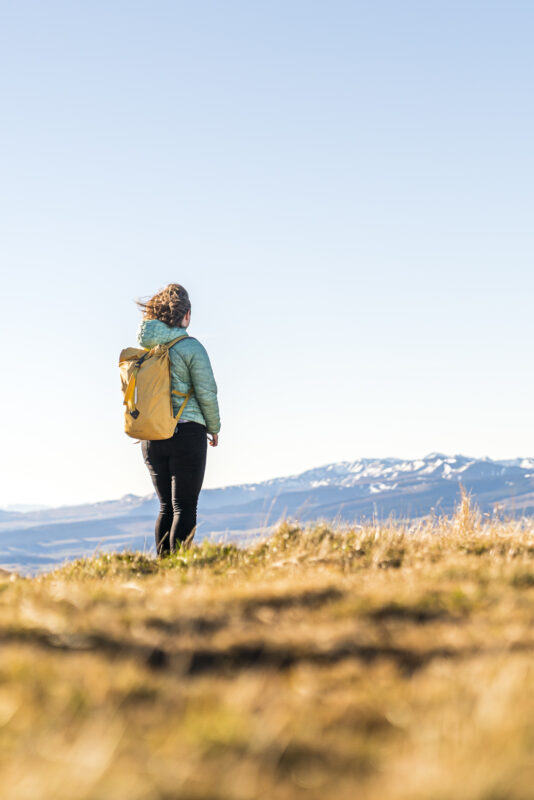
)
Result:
{"points": [[170, 305]]}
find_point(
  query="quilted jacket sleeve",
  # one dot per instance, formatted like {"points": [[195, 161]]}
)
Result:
{"points": [[204, 387]]}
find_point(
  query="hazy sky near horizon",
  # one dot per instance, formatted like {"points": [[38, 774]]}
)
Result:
{"points": [[345, 189]]}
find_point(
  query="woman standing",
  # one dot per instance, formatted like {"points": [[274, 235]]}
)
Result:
{"points": [[177, 465]]}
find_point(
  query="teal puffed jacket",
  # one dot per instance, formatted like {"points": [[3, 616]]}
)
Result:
{"points": [[190, 369]]}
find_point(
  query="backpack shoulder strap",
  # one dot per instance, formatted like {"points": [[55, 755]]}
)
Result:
{"points": [[179, 339], [174, 341], [188, 394]]}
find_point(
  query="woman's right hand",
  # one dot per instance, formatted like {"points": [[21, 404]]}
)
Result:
{"points": [[213, 439]]}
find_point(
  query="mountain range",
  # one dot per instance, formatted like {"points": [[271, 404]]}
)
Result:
{"points": [[347, 491]]}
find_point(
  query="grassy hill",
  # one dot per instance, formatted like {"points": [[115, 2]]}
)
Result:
{"points": [[387, 661]]}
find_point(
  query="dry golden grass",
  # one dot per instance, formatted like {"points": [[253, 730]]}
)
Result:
{"points": [[379, 661]]}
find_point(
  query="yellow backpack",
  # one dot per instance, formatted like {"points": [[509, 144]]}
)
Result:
{"points": [[146, 385]]}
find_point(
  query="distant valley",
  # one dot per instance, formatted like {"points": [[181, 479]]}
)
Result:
{"points": [[347, 491]]}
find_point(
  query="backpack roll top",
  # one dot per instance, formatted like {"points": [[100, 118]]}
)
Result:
{"points": [[146, 386]]}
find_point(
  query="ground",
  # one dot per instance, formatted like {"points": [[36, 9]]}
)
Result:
{"points": [[387, 661]]}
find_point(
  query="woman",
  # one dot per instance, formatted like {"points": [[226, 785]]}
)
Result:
{"points": [[177, 465]]}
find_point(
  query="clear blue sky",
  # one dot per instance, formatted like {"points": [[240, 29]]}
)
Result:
{"points": [[345, 189]]}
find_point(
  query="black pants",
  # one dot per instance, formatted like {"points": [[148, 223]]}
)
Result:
{"points": [[177, 466]]}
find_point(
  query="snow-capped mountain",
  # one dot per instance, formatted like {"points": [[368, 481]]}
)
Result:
{"points": [[383, 475], [347, 490]]}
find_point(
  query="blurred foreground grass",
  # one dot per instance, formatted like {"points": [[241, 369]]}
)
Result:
{"points": [[379, 661]]}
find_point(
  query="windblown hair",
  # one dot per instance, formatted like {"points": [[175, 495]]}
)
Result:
{"points": [[170, 305]]}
